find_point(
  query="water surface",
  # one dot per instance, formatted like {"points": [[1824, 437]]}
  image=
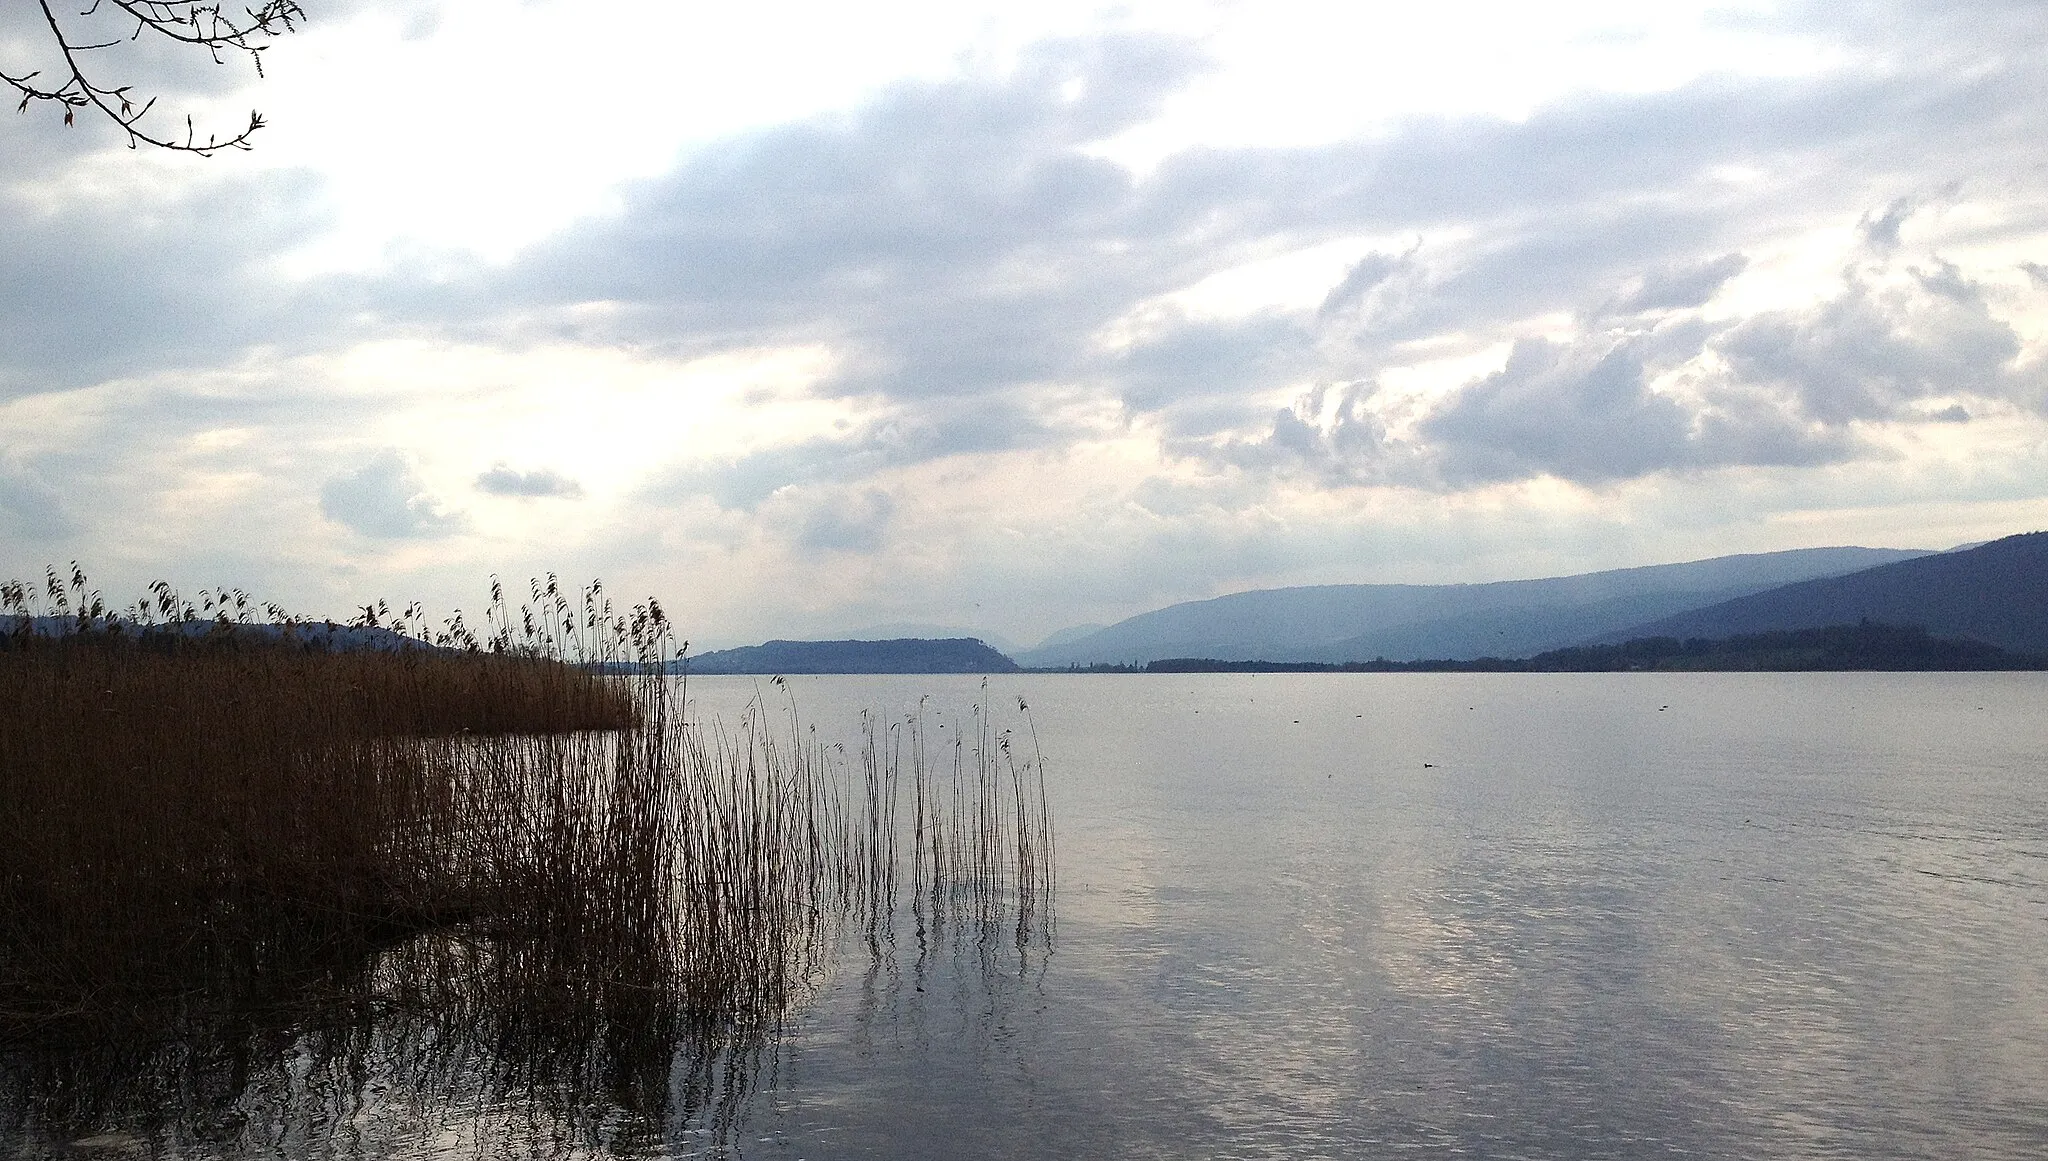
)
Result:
{"points": [[1545, 916], [1496, 915]]}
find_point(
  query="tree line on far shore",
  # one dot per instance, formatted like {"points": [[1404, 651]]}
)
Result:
{"points": [[1866, 645]]}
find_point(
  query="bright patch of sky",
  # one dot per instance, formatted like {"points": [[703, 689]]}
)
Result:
{"points": [[486, 124]]}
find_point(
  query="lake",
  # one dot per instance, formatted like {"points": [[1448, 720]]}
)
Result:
{"points": [[1327, 915]]}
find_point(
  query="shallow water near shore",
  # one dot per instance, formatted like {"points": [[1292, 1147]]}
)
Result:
{"points": [[1602, 915]]}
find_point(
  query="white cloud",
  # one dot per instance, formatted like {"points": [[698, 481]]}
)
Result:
{"points": [[386, 500]]}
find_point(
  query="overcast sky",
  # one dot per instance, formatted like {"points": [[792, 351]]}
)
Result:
{"points": [[813, 318]]}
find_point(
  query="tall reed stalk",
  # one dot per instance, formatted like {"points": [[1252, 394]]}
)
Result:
{"points": [[205, 822]]}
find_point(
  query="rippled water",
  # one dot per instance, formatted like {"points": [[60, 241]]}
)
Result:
{"points": [[1491, 915]]}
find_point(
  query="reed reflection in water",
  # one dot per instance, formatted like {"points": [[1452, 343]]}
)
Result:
{"points": [[740, 863]]}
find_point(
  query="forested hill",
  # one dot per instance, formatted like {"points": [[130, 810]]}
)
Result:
{"points": [[1995, 593], [905, 655]]}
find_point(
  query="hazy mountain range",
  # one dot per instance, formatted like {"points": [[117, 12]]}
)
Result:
{"points": [[1413, 622], [1996, 593]]}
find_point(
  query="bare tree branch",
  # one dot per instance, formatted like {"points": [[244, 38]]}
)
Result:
{"points": [[201, 25]]}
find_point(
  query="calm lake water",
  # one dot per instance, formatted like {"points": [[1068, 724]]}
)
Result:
{"points": [[1574, 916]]}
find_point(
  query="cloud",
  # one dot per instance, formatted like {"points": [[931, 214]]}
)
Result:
{"points": [[1880, 231], [157, 275], [897, 438], [1377, 287], [916, 200], [385, 500], [1202, 360], [30, 508], [1681, 288], [957, 240], [504, 481], [1879, 346], [1580, 412], [1330, 434], [869, 234], [1776, 388], [1649, 385], [848, 523]]}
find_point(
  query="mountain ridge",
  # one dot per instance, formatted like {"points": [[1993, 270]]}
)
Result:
{"points": [[1996, 593], [1409, 622]]}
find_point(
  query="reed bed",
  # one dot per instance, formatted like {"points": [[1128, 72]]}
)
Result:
{"points": [[226, 832]]}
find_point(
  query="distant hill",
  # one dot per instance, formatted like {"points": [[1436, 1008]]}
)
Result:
{"points": [[1996, 593], [924, 631], [904, 655], [1407, 622], [1867, 645], [313, 634]]}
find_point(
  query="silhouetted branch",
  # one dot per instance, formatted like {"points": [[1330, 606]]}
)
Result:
{"points": [[203, 26]]}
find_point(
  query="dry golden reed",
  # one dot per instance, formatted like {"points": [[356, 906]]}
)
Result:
{"points": [[202, 811]]}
